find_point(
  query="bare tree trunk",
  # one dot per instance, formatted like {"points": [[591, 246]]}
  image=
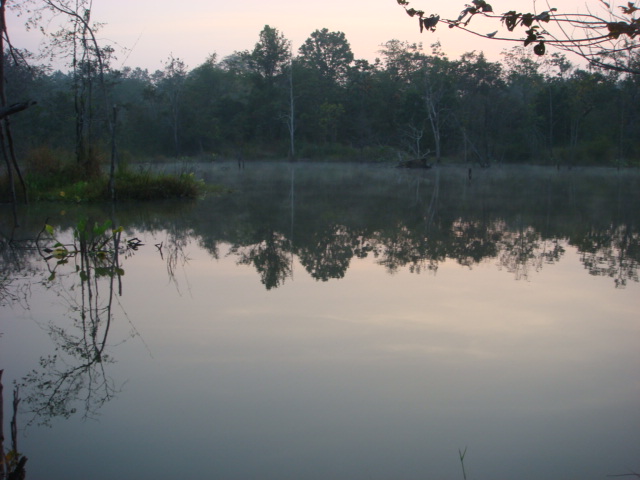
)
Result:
{"points": [[112, 172], [12, 184], [291, 124], [434, 120], [175, 126], [573, 140], [12, 154], [432, 101], [550, 140], [2, 466], [14, 420]]}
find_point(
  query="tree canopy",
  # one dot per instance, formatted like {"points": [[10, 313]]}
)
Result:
{"points": [[329, 52]]}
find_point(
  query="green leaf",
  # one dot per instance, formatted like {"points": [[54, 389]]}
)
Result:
{"points": [[60, 252], [49, 229], [100, 229]]}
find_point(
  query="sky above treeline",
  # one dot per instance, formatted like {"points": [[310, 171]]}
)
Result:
{"points": [[146, 32]]}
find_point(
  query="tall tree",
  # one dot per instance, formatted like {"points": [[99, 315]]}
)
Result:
{"points": [[271, 54], [89, 61], [329, 53], [401, 59], [403, 62], [271, 95], [171, 85], [480, 87], [524, 93], [437, 93], [360, 103], [203, 89], [585, 103], [290, 114]]}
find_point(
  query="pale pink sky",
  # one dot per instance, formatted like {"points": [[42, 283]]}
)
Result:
{"points": [[193, 29]]}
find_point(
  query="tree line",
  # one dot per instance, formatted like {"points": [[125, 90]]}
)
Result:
{"points": [[320, 101]]}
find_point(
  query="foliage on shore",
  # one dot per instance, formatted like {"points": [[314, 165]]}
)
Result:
{"points": [[60, 181], [522, 109]]}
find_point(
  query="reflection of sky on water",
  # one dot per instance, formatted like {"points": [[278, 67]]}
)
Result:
{"points": [[371, 376]]}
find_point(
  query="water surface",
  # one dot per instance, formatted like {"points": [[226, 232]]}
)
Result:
{"points": [[336, 321]]}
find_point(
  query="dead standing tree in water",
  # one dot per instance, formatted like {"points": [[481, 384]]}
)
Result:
{"points": [[413, 140], [11, 463]]}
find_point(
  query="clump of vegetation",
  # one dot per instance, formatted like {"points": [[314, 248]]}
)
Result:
{"points": [[153, 186], [52, 177]]}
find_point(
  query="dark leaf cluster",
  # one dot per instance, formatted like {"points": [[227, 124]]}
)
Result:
{"points": [[588, 38]]}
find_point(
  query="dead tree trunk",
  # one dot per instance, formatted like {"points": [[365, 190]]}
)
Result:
{"points": [[6, 138]]}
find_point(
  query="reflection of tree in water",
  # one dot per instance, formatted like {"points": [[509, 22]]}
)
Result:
{"points": [[473, 241], [85, 274], [468, 242], [328, 253], [402, 246], [15, 260], [523, 250], [173, 251], [271, 257], [613, 252], [522, 219]]}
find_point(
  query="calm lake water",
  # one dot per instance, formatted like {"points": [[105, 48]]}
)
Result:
{"points": [[334, 322]]}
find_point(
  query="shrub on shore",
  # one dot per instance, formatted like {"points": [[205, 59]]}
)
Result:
{"points": [[67, 182]]}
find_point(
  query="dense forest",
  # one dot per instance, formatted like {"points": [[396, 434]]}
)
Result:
{"points": [[321, 102]]}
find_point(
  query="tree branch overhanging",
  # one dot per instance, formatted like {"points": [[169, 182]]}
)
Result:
{"points": [[602, 39]]}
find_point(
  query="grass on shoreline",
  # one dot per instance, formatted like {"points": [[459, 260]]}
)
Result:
{"points": [[69, 185]]}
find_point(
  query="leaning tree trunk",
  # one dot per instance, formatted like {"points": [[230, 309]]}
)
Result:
{"points": [[6, 139]]}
